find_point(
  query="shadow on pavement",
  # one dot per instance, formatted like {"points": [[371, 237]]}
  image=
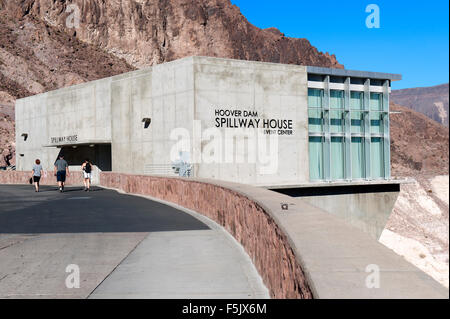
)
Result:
{"points": [[23, 211]]}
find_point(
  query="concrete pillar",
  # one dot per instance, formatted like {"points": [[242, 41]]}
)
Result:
{"points": [[327, 137], [386, 132], [348, 132], [367, 140]]}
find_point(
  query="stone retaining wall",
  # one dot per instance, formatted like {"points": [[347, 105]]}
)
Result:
{"points": [[242, 217], [22, 177]]}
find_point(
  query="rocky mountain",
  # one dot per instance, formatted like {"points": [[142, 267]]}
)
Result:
{"points": [[149, 32], [431, 101], [419, 145]]}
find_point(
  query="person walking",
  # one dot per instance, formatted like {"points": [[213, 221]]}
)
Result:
{"points": [[61, 171], [36, 174], [86, 167]]}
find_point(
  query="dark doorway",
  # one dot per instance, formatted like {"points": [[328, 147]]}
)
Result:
{"points": [[99, 155]]}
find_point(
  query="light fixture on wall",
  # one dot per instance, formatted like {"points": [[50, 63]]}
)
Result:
{"points": [[146, 121], [25, 136]]}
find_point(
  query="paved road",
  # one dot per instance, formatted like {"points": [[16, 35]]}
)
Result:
{"points": [[125, 247]]}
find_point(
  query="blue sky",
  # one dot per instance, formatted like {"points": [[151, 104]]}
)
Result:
{"points": [[413, 38]]}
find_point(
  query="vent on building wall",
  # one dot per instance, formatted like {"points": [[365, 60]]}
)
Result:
{"points": [[146, 121]]}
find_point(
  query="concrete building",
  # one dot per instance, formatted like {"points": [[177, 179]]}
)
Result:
{"points": [[265, 124], [325, 124]]}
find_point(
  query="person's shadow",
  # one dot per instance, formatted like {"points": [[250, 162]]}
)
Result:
{"points": [[69, 189]]}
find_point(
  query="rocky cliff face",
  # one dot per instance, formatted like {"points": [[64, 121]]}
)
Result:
{"points": [[149, 32], [431, 101], [419, 145]]}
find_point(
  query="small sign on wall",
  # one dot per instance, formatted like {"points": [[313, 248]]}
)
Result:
{"points": [[64, 139]]}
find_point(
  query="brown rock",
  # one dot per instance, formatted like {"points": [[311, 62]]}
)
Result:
{"points": [[419, 145], [149, 32], [431, 101]]}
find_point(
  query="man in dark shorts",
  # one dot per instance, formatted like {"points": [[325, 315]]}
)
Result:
{"points": [[61, 171]]}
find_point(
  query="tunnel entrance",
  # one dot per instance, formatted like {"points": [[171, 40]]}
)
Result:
{"points": [[98, 154]]}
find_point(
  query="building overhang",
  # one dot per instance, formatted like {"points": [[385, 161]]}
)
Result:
{"points": [[353, 73], [355, 183], [91, 143]]}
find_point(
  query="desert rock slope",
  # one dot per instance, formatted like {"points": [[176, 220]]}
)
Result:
{"points": [[431, 101], [418, 227]]}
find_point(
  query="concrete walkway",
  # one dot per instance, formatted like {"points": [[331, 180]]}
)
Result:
{"points": [[166, 264], [125, 247]]}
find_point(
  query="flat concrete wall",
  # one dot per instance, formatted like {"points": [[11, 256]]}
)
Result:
{"points": [[176, 94], [31, 119], [163, 93], [77, 114], [368, 211], [364, 205], [274, 91]]}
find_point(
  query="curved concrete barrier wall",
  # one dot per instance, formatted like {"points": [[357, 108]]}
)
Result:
{"points": [[242, 217], [22, 177], [301, 252]]}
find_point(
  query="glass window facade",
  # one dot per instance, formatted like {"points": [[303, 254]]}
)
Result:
{"points": [[337, 158], [315, 120], [376, 101], [347, 141], [316, 157], [356, 100], [336, 121], [336, 99], [376, 157], [357, 122], [376, 123], [315, 97], [357, 152]]}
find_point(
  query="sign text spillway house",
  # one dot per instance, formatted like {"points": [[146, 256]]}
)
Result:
{"points": [[64, 139], [232, 118]]}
